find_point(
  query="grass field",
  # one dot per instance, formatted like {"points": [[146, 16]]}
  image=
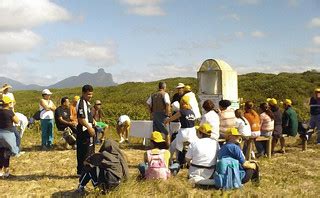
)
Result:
{"points": [[53, 174]]}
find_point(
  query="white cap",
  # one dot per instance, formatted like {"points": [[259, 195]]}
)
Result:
{"points": [[46, 92], [180, 85]]}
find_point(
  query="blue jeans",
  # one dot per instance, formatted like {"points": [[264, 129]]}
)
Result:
{"points": [[8, 140], [47, 132], [315, 122]]}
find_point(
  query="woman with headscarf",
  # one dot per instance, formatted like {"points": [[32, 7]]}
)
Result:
{"points": [[106, 169]]}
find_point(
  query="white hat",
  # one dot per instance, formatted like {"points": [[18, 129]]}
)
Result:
{"points": [[46, 92], [180, 85]]}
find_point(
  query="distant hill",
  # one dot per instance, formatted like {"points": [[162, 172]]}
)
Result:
{"points": [[99, 79]]}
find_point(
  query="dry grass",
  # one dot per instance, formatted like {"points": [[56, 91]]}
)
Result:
{"points": [[52, 173]]}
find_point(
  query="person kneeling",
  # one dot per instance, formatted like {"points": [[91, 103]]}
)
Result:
{"points": [[106, 169], [202, 156], [156, 160], [232, 168]]}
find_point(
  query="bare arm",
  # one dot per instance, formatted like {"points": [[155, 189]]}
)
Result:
{"points": [[174, 117], [249, 165], [168, 109], [65, 122], [84, 123], [15, 119]]}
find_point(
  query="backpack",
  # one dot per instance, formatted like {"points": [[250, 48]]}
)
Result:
{"points": [[156, 166], [227, 175]]}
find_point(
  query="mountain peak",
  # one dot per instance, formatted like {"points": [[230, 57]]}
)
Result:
{"points": [[101, 70]]}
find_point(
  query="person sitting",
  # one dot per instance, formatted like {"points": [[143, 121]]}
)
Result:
{"points": [[156, 160], [289, 122], [73, 109], [227, 116], [64, 123], [247, 169], [106, 169], [123, 127], [267, 127], [202, 156], [8, 141], [187, 132], [211, 117], [100, 126], [242, 124]]}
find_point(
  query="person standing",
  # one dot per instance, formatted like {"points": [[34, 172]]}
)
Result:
{"points": [[175, 124], [47, 109], [7, 136], [5, 92], [315, 112], [193, 101], [100, 126], [289, 122], [85, 130], [159, 107]]}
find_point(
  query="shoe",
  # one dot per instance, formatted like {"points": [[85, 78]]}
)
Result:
{"points": [[122, 140], [127, 141], [6, 172], [80, 190], [44, 148], [318, 143], [282, 151]]}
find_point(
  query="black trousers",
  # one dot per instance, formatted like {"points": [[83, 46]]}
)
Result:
{"points": [[85, 148], [4, 161]]}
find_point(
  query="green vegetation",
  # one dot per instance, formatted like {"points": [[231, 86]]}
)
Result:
{"points": [[129, 98]]}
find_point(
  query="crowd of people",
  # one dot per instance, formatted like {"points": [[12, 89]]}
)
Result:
{"points": [[181, 137]]}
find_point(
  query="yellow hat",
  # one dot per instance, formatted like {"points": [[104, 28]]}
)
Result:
{"points": [[185, 100], [157, 137], [76, 98], [232, 131], [317, 89], [272, 101], [205, 128], [6, 100], [187, 88], [287, 102]]}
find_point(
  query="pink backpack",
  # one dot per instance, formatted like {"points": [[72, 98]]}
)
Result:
{"points": [[156, 166]]}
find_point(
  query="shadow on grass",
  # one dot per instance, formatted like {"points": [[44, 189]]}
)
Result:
{"points": [[68, 193], [35, 177], [36, 148], [134, 146]]}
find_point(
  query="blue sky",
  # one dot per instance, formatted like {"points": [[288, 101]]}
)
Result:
{"points": [[44, 41]]}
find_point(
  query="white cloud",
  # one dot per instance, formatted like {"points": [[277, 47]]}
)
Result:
{"points": [[239, 34], [250, 2], [22, 14], [314, 23], [144, 7], [316, 40], [234, 17], [156, 72], [18, 41], [92, 53], [258, 34], [20, 72]]}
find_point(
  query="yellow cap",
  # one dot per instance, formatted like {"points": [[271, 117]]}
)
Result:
{"points": [[187, 88], [317, 89], [6, 100], [157, 137], [287, 102], [272, 101], [76, 98], [232, 131], [205, 128]]}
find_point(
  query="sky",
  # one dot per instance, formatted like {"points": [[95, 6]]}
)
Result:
{"points": [[43, 41]]}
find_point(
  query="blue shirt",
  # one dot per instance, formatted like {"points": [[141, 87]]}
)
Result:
{"points": [[234, 151]]}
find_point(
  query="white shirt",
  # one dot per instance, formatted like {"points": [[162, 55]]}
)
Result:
{"points": [[194, 104], [47, 114], [122, 119], [243, 127], [23, 122], [203, 152], [213, 119], [166, 99]]}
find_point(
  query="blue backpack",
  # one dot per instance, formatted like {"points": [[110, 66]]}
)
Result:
{"points": [[227, 175]]}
